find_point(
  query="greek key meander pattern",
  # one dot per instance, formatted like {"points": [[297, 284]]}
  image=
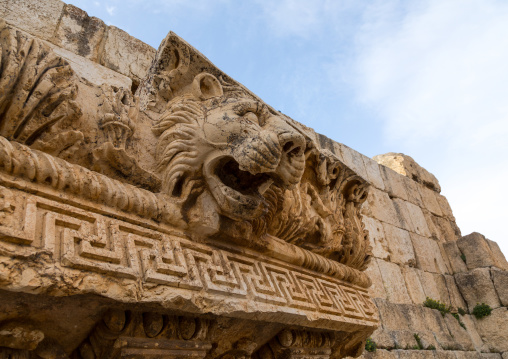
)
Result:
{"points": [[89, 241]]}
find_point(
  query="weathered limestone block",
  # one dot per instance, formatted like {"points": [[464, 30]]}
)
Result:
{"points": [[460, 335], [505, 355], [497, 254], [394, 183], [126, 54], [493, 330], [404, 339], [490, 355], [428, 254], [434, 231], [393, 281], [377, 290], [446, 261], [445, 207], [413, 193], [92, 71], [399, 245], [476, 287], [381, 207], [442, 287], [354, 160], [429, 200], [380, 354], [383, 339], [467, 355], [415, 316], [391, 316], [446, 230], [419, 324], [402, 211], [401, 321], [428, 340], [373, 172], [80, 33], [454, 256], [456, 299], [418, 220], [377, 237], [445, 354], [429, 285], [407, 166], [476, 250], [470, 325], [500, 280], [413, 284], [415, 354], [434, 286], [43, 16]]}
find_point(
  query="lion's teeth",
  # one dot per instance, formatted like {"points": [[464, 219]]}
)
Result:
{"points": [[262, 189]]}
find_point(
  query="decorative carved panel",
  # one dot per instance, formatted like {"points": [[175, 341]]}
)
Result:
{"points": [[185, 206]]}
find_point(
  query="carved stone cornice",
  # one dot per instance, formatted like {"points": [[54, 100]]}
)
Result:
{"points": [[188, 208], [45, 171]]}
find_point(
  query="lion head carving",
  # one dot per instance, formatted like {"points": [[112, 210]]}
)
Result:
{"points": [[234, 147], [237, 169]]}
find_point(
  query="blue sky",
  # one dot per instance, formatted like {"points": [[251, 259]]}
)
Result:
{"points": [[426, 78]]}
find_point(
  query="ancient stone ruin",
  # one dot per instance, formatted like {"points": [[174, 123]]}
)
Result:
{"points": [[153, 207]]}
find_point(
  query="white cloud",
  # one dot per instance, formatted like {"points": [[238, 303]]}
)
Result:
{"points": [[437, 76], [292, 17], [303, 18], [111, 10]]}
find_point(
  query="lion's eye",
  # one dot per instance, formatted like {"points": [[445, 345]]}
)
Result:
{"points": [[251, 116]]}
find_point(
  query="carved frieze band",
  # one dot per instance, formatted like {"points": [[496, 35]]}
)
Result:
{"points": [[88, 241], [42, 169]]}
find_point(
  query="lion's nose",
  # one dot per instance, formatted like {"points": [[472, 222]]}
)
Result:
{"points": [[292, 143]]}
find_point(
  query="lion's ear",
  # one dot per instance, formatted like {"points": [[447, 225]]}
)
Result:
{"points": [[206, 86]]}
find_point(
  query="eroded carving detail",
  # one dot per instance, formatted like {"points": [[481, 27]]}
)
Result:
{"points": [[298, 344], [55, 173], [322, 213], [222, 150], [141, 335], [37, 91], [121, 110], [93, 242], [217, 198], [39, 167]]}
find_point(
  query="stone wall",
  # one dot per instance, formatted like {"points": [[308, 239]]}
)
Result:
{"points": [[73, 32], [418, 250], [418, 253]]}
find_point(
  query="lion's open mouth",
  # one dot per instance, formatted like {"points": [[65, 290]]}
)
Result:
{"points": [[248, 184], [238, 193]]}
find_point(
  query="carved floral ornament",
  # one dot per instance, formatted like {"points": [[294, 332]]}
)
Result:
{"points": [[222, 195]]}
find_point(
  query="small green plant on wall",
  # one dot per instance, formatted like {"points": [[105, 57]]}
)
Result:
{"points": [[436, 304], [370, 345], [418, 341], [456, 316], [482, 310]]}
